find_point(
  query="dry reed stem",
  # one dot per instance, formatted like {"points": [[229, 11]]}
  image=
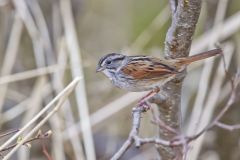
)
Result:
{"points": [[204, 83], [38, 31], [14, 95], [34, 106], [228, 27], [67, 109], [157, 23], [10, 55], [210, 105], [56, 122], [43, 111], [29, 74], [77, 70], [43, 29], [61, 97], [34, 30], [21, 107], [198, 110], [205, 77], [46, 59], [57, 140], [23, 10]]}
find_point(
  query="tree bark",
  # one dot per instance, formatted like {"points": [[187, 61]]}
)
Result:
{"points": [[185, 14]]}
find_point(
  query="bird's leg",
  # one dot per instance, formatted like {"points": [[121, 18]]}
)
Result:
{"points": [[143, 100], [145, 105]]}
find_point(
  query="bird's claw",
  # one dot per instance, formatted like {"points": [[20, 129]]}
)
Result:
{"points": [[144, 105]]}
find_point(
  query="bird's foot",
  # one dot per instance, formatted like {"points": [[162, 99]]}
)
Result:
{"points": [[144, 105], [149, 95]]}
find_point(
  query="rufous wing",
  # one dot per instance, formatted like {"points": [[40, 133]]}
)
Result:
{"points": [[149, 68]]}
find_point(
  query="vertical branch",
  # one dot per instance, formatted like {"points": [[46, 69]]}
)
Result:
{"points": [[177, 44], [184, 20]]}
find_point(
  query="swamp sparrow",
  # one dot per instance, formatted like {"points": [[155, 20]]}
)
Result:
{"points": [[144, 73]]}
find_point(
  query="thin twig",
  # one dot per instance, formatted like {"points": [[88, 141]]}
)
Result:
{"points": [[136, 118], [227, 126], [44, 110], [43, 136], [8, 133], [179, 140], [173, 4], [204, 109], [215, 121], [67, 90]]}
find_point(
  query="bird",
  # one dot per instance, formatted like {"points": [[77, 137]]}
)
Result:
{"points": [[145, 73]]}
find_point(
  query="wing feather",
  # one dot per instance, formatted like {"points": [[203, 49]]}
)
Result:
{"points": [[148, 68]]}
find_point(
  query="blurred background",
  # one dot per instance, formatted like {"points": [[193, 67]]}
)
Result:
{"points": [[45, 44]]}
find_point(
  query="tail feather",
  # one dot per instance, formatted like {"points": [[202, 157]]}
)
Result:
{"points": [[200, 56]]}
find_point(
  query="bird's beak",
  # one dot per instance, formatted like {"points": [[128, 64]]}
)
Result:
{"points": [[99, 69]]}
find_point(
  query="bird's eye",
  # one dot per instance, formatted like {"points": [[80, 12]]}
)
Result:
{"points": [[108, 62]]}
